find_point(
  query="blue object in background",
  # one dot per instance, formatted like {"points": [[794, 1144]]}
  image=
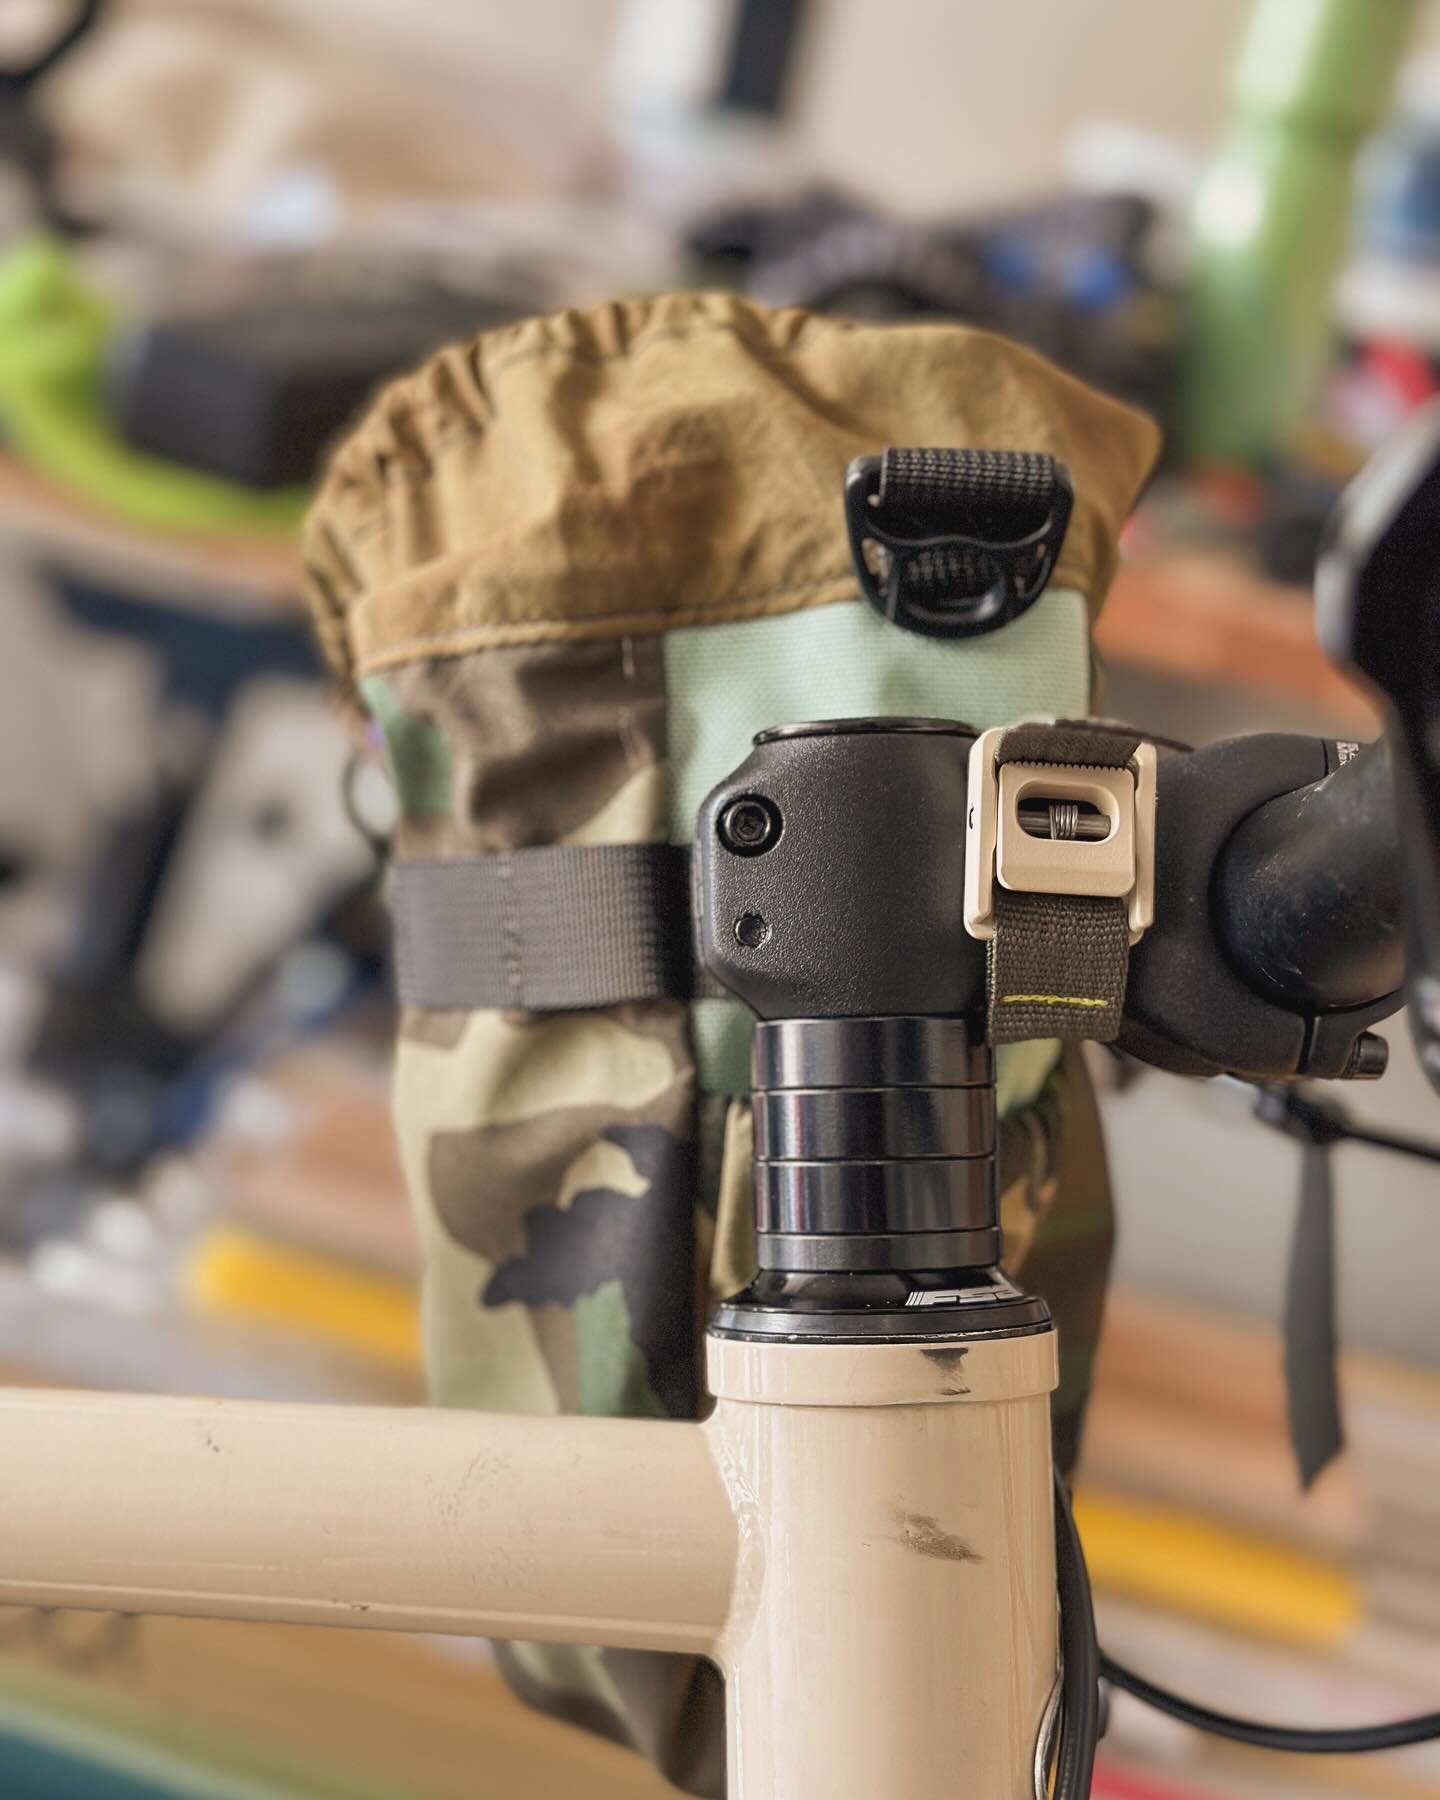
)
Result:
{"points": [[31, 1771]]}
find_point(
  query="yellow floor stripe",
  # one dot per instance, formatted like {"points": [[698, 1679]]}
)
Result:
{"points": [[239, 1272], [1181, 1563]]}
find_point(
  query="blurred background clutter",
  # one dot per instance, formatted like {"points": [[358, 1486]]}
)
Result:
{"points": [[222, 223]]}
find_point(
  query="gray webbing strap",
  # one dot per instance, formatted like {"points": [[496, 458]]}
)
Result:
{"points": [[1059, 962], [1312, 1384], [555, 928]]}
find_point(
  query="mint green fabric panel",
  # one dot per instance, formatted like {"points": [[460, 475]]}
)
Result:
{"points": [[418, 751], [720, 1038], [726, 682]]}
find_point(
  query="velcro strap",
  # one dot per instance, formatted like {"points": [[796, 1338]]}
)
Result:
{"points": [[1059, 963], [1077, 743], [1058, 967], [554, 928]]}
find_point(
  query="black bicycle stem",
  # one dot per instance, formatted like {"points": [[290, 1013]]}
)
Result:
{"points": [[829, 869], [829, 874]]}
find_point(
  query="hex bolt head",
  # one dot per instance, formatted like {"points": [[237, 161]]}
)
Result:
{"points": [[750, 825]]}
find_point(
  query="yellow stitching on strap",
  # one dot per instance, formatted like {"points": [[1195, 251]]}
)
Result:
{"points": [[1048, 1000]]}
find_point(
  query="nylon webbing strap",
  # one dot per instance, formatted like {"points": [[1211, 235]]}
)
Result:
{"points": [[1058, 963], [1006, 495], [1086, 743], [1312, 1384], [555, 928], [952, 543]]}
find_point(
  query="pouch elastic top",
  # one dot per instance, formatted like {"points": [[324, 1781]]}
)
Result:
{"points": [[664, 462]]}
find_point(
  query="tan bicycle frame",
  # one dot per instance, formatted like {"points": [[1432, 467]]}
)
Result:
{"points": [[859, 1535]]}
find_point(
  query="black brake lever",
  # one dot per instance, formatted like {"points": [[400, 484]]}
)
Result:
{"points": [[1378, 616]]}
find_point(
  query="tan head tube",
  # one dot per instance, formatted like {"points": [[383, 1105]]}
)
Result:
{"points": [[894, 1630]]}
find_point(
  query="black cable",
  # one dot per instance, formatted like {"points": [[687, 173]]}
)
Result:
{"points": [[1080, 1654], [1355, 1740], [1085, 1663], [1396, 1142], [1321, 1123], [1300, 1115]]}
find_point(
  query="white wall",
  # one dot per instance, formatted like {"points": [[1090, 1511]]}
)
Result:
{"points": [[926, 103], [929, 103]]}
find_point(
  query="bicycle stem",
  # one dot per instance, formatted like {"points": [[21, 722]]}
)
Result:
{"points": [[829, 870]]}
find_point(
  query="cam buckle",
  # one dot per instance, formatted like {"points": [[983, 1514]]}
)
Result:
{"points": [[1059, 828]]}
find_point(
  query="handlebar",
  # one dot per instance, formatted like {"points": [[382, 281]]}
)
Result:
{"points": [[1253, 966], [1307, 894]]}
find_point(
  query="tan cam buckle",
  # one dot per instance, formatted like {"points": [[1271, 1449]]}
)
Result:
{"points": [[1059, 828]]}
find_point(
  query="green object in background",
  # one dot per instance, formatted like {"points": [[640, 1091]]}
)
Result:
{"points": [[55, 334], [1272, 217]]}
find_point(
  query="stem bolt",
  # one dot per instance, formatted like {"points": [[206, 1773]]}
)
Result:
{"points": [[1368, 1059], [750, 825]]}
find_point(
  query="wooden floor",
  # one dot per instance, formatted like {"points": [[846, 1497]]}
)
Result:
{"points": [[292, 1711]]}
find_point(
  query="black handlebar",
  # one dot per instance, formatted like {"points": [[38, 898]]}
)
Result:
{"points": [[1233, 843], [1307, 892]]}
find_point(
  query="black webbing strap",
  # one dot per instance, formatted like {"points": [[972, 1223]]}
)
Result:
{"points": [[1085, 743], [1006, 496], [1312, 1384], [967, 539], [556, 928], [1058, 966], [569, 927], [1059, 962]]}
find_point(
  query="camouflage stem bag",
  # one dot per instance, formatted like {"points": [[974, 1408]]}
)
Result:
{"points": [[568, 570]]}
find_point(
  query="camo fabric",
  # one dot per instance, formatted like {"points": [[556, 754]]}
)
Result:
{"points": [[550, 1156], [1059, 1227], [501, 560]]}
